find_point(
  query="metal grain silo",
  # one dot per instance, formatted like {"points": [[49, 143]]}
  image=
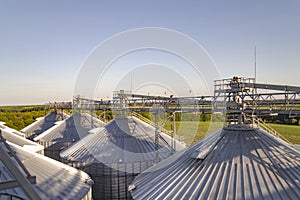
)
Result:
{"points": [[14, 137], [47, 179], [42, 124], [66, 132], [237, 162], [116, 153], [11, 130]]}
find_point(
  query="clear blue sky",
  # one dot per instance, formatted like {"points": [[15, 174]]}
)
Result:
{"points": [[43, 43]]}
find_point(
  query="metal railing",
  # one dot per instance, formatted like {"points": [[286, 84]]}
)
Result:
{"points": [[260, 123], [148, 121]]}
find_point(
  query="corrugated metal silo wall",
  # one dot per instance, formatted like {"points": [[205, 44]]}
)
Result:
{"points": [[41, 152], [88, 196], [111, 181], [52, 149], [29, 134], [32, 135]]}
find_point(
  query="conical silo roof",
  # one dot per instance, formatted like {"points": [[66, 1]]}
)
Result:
{"points": [[10, 136], [54, 180], [43, 123], [11, 130], [237, 162], [71, 129], [122, 140]]}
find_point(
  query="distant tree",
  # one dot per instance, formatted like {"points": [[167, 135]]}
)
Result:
{"points": [[18, 117]]}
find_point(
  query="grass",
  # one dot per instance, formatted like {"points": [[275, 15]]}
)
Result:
{"points": [[290, 132], [193, 131]]}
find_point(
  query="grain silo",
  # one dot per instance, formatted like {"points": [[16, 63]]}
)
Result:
{"points": [[66, 132], [12, 136], [117, 152], [11, 130], [237, 162], [27, 175], [42, 124]]}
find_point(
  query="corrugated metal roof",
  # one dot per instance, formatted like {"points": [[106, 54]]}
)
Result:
{"points": [[43, 123], [70, 130], [11, 130], [54, 180], [242, 163], [123, 140], [20, 141]]}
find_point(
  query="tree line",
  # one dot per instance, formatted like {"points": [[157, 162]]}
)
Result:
{"points": [[18, 117]]}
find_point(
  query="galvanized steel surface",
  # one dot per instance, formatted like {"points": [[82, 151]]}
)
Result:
{"points": [[54, 179], [42, 124], [123, 140], [21, 141], [71, 129], [116, 153], [244, 163]]}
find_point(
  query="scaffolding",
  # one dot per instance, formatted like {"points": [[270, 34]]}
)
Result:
{"points": [[234, 98]]}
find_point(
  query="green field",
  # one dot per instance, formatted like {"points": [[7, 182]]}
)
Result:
{"points": [[191, 131], [291, 132]]}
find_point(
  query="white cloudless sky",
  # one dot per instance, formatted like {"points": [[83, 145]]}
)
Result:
{"points": [[44, 43]]}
